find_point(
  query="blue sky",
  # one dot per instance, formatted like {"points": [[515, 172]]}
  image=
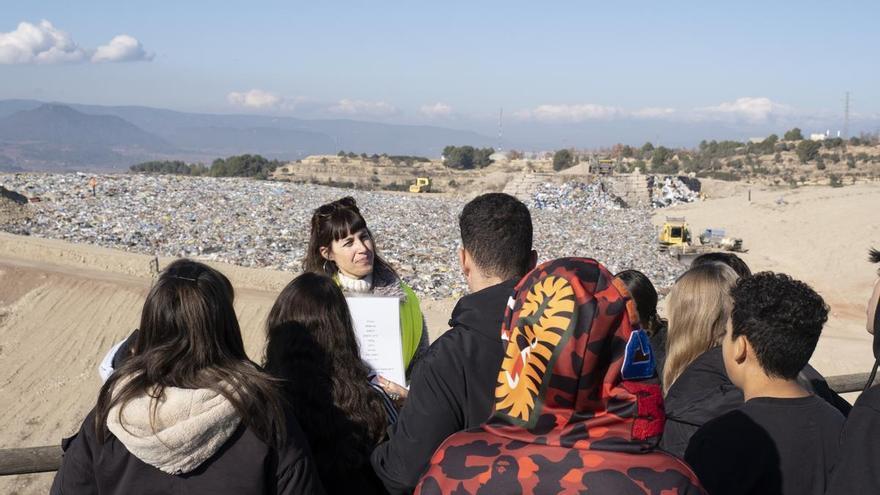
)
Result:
{"points": [[750, 65]]}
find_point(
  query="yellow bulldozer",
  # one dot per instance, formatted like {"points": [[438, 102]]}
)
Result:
{"points": [[675, 237], [422, 184]]}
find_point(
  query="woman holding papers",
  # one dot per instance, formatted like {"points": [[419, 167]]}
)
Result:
{"points": [[342, 247], [311, 346]]}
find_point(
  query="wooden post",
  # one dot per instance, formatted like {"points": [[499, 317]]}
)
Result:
{"points": [[30, 460]]}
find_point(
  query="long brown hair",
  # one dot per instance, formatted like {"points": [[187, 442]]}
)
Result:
{"points": [[697, 308], [311, 345], [331, 222], [189, 338]]}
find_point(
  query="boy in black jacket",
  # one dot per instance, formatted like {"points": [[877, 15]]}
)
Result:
{"points": [[783, 440], [453, 386], [858, 470]]}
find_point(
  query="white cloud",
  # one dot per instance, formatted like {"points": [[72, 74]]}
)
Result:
{"points": [[122, 48], [360, 107], [255, 98], [436, 110], [752, 109], [42, 43], [653, 113], [569, 113]]}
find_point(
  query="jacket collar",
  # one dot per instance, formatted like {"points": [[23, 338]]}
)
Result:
{"points": [[483, 311]]}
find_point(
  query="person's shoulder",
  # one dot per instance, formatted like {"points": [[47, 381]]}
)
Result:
{"points": [[829, 412], [869, 400], [447, 347], [733, 427]]}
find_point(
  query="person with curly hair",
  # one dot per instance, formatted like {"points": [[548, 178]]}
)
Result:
{"points": [[312, 348], [783, 439], [858, 470], [696, 386]]}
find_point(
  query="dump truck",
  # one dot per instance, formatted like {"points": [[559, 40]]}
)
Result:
{"points": [[422, 184]]}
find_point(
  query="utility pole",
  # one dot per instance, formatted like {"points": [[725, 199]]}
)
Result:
{"points": [[500, 128], [846, 117]]}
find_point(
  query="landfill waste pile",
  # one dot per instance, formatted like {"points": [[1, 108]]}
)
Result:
{"points": [[266, 224], [672, 191], [13, 209], [578, 196]]}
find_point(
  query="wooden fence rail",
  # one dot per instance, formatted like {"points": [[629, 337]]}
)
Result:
{"points": [[30, 460]]}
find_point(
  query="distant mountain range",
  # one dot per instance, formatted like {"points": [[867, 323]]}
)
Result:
{"points": [[35, 135]]}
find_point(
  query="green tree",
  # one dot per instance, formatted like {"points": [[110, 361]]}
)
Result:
{"points": [[647, 147], [808, 150], [658, 159], [562, 160], [793, 134]]}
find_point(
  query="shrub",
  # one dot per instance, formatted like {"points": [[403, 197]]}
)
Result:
{"points": [[562, 159], [793, 135], [808, 150]]}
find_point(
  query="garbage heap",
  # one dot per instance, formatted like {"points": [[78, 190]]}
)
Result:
{"points": [[266, 224], [670, 191]]}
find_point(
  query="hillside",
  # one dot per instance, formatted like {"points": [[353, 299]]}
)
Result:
{"points": [[203, 137], [54, 137]]}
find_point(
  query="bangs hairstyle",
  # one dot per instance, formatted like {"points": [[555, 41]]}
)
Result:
{"points": [[697, 310], [332, 222], [189, 338]]}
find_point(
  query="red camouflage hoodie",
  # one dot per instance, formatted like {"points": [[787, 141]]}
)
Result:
{"points": [[578, 408]]}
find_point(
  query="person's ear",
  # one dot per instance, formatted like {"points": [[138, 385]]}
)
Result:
{"points": [[533, 260], [741, 349], [464, 261], [326, 253]]}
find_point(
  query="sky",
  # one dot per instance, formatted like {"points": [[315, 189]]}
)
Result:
{"points": [[637, 66]]}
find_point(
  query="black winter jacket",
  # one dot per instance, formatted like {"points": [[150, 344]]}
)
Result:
{"points": [[703, 392], [452, 388], [243, 465], [858, 467]]}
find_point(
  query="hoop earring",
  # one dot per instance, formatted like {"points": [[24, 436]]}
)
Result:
{"points": [[326, 270]]}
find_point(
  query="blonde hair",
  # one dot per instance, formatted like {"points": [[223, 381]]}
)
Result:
{"points": [[697, 309]]}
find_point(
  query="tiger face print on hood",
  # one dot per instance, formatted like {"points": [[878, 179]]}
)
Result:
{"points": [[577, 404]]}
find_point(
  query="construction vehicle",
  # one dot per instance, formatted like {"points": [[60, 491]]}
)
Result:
{"points": [[716, 238], [602, 166], [675, 237], [422, 184], [674, 233]]}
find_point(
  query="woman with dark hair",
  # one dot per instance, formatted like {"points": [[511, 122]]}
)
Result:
{"points": [[312, 347], [187, 411], [645, 296], [342, 247]]}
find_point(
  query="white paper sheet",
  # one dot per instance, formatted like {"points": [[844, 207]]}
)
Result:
{"points": [[377, 326]]}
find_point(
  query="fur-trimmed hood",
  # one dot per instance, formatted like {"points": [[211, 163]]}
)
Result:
{"points": [[188, 427]]}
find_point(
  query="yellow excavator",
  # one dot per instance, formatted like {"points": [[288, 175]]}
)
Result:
{"points": [[422, 184]]}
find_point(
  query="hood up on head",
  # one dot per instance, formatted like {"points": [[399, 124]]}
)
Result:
{"points": [[176, 432], [578, 371]]}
